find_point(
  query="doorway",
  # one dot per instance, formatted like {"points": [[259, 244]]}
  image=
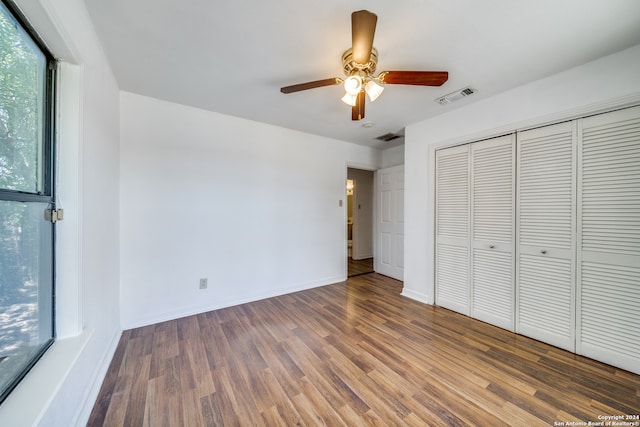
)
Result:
{"points": [[359, 221]]}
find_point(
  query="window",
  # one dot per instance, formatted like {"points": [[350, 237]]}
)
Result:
{"points": [[26, 199]]}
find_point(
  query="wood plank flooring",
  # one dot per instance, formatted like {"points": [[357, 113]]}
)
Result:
{"points": [[354, 353], [357, 267]]}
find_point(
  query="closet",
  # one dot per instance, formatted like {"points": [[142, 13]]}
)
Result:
{"points": [[452, 229], [545, 281], [492, 231], [608, 256], [475, 257], [538, 232]]}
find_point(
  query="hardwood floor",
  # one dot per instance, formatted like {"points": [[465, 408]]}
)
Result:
{"points": [[357, 267], [354, 353]]}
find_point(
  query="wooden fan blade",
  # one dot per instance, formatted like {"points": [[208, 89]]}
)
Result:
{"points": [[357, 111], [417, 78], [311, 85], [363, 28]]}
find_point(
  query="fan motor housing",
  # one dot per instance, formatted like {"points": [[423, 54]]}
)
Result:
{"points": [[352, 67]]}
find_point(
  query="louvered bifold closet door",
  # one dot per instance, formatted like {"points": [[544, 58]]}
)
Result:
{"points": [[492, 230], [609, 238], [452, 229], [545, 249]]}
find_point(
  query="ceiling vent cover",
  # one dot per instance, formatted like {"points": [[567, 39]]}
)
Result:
{"points": [[389, 137], [455, 96]]}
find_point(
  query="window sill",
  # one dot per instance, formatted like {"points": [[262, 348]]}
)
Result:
{"points": [[27, 404]]}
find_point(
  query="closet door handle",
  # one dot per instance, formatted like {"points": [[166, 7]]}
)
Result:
{"points": [[492, 246], [544, 251]]}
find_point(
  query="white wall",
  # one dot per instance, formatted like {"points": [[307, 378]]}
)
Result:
{"points": [[62, 387], [252, 207], [603, 84], [393, 156]]}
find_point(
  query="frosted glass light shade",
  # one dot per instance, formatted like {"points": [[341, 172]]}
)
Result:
{"points": [[353, 85], [373, 90], [349, 99]]}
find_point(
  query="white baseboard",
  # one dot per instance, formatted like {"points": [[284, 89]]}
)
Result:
{"points": [[418, 296], [203, 308]]}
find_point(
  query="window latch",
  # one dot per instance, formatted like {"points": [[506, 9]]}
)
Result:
{"points": [[54, 215]]}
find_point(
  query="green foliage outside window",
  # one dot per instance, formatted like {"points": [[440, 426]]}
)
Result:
{"points": [[22, 80]]}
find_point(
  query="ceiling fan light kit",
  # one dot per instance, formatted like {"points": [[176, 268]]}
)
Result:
{"points": [[349, 99], [353, 85], [373, 89], [360, 62]]}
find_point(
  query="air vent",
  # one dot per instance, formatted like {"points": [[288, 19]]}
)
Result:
{"points": [[455, 96], [389, 137]]}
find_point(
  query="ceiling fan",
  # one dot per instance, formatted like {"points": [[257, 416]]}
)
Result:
{"points": [[360, 63]]}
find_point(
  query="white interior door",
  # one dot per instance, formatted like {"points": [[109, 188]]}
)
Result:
{"points": [[545, 273], [493, 231], [389, 260], [609, 238], [452, 229]]}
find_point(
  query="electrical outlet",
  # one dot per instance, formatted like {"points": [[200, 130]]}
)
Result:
{"points": [[203, 283]]}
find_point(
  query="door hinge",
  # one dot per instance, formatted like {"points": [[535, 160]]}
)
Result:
{"points": [[54, 215]]}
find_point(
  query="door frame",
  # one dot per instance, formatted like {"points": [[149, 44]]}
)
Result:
{"points": [[345, 212]]}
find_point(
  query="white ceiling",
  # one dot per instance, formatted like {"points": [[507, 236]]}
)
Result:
{"points": [[232, 57]]}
